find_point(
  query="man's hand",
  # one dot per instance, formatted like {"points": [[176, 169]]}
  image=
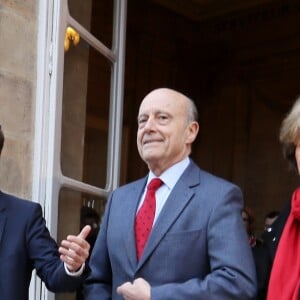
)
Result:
{"points": [[75, 249], [138, 290]]}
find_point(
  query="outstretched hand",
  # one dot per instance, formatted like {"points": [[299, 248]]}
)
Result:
{"points": [[74, 251]]}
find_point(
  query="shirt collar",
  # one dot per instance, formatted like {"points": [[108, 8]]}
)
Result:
{"points": [[171, 175]]}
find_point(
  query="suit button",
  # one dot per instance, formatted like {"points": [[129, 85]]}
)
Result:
{"points": [[269, 229], [274, 239]]}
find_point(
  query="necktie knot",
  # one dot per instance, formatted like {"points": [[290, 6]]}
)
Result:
{"points": [[154, 184]]}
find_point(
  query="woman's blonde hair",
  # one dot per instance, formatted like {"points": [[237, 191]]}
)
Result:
{"points": [[289, 134]]}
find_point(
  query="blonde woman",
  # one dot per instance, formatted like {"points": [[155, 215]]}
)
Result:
{"points": [[282, 240]]}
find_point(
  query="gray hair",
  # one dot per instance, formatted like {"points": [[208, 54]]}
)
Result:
{"points": [[192, 112]]}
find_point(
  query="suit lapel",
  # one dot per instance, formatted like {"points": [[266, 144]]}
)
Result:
{"points": [[179, 198], [131, 207]]}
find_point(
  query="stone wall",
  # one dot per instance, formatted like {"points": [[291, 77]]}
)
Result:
{"points": [[18, 31]]}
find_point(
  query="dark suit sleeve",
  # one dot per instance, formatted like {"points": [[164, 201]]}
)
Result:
{"points": [[43, 252], [263, 264]]}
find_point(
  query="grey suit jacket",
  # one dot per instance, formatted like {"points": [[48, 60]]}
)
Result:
{"points": [[198, 247]]}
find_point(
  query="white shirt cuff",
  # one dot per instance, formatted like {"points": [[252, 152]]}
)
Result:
{"points": [[75, 274]]}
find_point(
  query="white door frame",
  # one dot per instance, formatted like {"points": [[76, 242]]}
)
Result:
{"points": [[47, 177]]}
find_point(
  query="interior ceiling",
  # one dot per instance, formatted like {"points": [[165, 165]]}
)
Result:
{"points": [[201, 10]]}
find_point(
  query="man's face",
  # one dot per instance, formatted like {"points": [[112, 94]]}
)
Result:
{"points": [[269, 222], [164, 136]]}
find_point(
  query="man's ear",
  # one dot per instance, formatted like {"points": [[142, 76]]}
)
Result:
{"points": [[192, 132]]}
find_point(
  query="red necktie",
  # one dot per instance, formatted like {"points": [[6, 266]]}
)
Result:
{"points": [[145, 216]]}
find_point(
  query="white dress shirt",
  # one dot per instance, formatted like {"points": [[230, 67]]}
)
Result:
{"points": [[169, 178]]}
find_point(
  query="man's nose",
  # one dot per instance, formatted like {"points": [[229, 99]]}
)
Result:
{"points": [[150, 124]]}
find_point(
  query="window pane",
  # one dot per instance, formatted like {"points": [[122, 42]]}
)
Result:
{"points": [[85, 114], [76, 209], [96, 16]]}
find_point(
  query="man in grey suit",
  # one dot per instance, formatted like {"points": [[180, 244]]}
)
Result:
{"points": [[198, 247]]}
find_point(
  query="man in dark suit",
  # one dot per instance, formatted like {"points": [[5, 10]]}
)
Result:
{"points": [[265, 254], [25, 244], [198, 246]]}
